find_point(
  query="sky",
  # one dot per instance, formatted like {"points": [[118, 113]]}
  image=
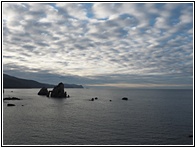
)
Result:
{"points": [[127, 45]]}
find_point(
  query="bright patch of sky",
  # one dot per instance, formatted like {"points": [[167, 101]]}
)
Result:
{"points": [[103, 44]]}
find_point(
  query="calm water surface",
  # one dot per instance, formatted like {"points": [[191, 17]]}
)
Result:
{"points": [[149, 117]]}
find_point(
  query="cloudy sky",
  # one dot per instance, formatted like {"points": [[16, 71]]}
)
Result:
{"points": [[100, 44]]}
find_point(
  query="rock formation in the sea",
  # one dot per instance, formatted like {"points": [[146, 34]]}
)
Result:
{"points": [[91, 99], [125, 98], [10, 104], [11, 98], [58, 91], [43, 91]]}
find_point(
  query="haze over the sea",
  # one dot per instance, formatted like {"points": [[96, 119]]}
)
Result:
{"points": [[100, 44]]}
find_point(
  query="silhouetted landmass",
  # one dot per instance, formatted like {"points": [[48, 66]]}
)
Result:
{"points": [[73, 86], [14, 82]]}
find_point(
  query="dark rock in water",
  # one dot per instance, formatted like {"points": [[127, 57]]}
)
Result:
{"points": [[10, 104], [110, 100], [92, 99], [190, 136], [13, 98], [58, 91], [43, 91], [125, 98], [65, 94], [96, 98]]}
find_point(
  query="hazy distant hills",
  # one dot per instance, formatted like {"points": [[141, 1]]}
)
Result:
{"points": [[14, 82]]}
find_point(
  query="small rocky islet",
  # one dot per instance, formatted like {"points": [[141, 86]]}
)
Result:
{"points": [[93, 99], [12, 98], [57, 92], [9, 104], [125, 98]]}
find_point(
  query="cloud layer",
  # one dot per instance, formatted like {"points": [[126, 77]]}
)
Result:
{"points": [[100, 43]]}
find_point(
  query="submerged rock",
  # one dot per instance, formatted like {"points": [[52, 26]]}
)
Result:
{"points": [[125, 98], [58, 91], [43, 91]]}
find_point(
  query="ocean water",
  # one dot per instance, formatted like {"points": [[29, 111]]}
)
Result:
{"points": [[149, 117]]}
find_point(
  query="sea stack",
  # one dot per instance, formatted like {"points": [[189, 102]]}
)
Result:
{"points": [[58, 91], [43, 92]]}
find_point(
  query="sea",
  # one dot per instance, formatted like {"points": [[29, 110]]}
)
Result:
{"points": [[149, 117]]}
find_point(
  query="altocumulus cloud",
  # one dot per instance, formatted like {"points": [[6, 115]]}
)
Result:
{"points": [[100, 44]]}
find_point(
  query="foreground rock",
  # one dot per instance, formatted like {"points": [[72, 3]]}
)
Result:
{"points": [[43, 92], [13, 98], [125, 98], [58, 91]]}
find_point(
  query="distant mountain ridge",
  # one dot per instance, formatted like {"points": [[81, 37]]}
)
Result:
{"points": [[14, 82]]}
